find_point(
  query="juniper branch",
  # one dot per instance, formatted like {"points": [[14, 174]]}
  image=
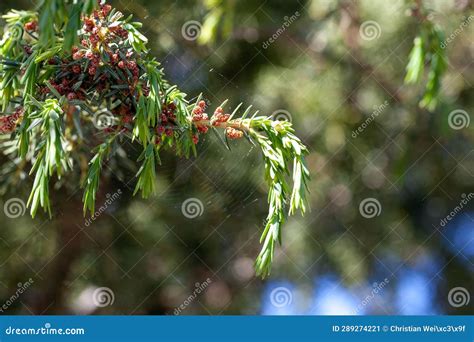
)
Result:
{"points": [[112, 72]]}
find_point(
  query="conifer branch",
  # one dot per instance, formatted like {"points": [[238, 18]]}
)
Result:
{"points": [[427, 50], [51, 157], [108, 87], [91, 184]]}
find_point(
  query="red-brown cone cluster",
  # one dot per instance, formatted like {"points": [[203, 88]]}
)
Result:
{"points": [[219, 117], [100, 34], [199, 116], [233, 133], [167, 122], [8, 122], [102, 47], [31, 26]]}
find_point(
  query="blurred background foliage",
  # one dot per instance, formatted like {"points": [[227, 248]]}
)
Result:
{"points": [[329, 81]]}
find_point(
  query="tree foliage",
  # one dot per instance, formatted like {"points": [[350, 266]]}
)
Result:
{"points": [[427, 50], [101, 88]]}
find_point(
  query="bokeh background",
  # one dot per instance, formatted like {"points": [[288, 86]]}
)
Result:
{"points": [[377, 240]]}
